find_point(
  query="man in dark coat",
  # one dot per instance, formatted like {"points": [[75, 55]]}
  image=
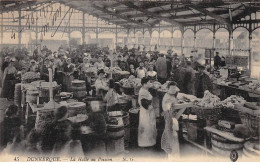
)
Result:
{"points": [[131, 60], [5, 63], [202, 83], [161, 67], [217, 61]]}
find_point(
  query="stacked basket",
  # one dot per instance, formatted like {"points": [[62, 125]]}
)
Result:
{"points": [[224, 147], [251, 149], [75, 108], [250, 118], [212, 114], [18, 95]]}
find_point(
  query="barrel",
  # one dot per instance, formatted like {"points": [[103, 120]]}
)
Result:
{"points": [[134, 122], [31, 96], [126, 122], [115, 138], [75, 108], [225, 147], [251, 149], [18, 95], [79, 88]]}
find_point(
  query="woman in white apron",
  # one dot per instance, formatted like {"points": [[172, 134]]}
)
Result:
{"points": [[169, 141], [147, 121]]}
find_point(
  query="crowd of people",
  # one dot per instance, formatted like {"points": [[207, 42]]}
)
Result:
{"points": [[184, 74], [73, 64]]}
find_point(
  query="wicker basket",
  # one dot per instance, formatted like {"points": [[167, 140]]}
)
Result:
{"points": [[129, 90], [117, 77], [43, 118], [213, 114], [252, 122]]}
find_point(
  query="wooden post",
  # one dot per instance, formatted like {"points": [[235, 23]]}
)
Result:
{"points": [[37, 30], [97, 32], [127, 38], [172, 37], [214, 37], [182, 41], [194, 40], [134, 38], [69, 34], [250, 53], [116, 38], [159, 36], [83, 29], [230, 43], [51, 87], [2, 31], [20, 29], [143, 39]]}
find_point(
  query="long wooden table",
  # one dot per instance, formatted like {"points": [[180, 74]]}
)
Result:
{"points": [[244, 91]]}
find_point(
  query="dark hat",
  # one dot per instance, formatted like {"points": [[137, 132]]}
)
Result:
{"points": [[101, 71], [201, 67]]}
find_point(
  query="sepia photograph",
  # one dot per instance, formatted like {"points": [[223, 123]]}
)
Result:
{"points": [[129, 81]]}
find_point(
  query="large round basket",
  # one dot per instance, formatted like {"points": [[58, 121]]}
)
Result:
{"points": [[75, 108], [129, 90], [78, 83], [213, 114], [43, 118], [224, 148]]}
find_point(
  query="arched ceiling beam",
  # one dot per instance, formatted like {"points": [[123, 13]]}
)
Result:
{"points": [[208, 13], [103, 9], [153, 15]]}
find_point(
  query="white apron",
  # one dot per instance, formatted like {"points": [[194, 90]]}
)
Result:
{"points": [[170, 141], [147, 128]]}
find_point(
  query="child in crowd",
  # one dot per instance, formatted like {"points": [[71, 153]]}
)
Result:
{"points": [[101, 83], [141, 71], [10, 125], [32, 142], [111, 97], [132, 70], [17, 145]]}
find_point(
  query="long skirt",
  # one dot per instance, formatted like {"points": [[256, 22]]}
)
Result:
{"points": [[147, 132], [9, 86], [67, 82], [169, 141]]}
